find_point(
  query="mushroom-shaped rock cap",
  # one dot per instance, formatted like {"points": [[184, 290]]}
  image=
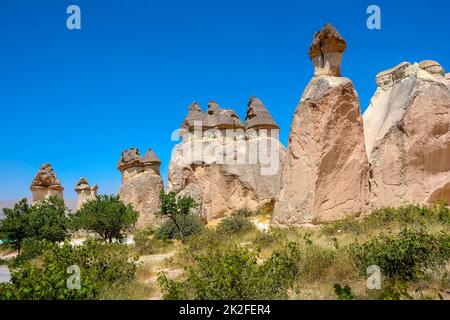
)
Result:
{"points": [[432, 67], [195, 113], [150, 157], [258, 117], [218, 118], [82, 185], [327, 40], [129, 159], [46, 178]]}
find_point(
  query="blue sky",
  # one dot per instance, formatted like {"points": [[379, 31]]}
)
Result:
{"points": [[77, 98]]}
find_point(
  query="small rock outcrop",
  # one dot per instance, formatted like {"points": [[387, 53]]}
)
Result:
{"points": [[226, 165], [407, 133], [46, 184], [325, 172], [141, 184], [85, 192]]}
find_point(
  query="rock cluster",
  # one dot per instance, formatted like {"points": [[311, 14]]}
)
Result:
{"points": [[224, 164], [85, 192], [407, 135], [46, 184], [141, 184], [325, 172]]}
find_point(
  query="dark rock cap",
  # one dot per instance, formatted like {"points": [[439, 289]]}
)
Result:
{"points": [[219, 118], [46, 178], [326, 40], [129, 159], [195, 113], [258, 117], [150, 157], [82, 184]]}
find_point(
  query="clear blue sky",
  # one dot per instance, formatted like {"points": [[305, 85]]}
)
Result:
{"points": [[77, 98]]}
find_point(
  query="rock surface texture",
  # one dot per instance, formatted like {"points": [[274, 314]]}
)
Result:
{"points": [[407, 132], [226, 165], [85, 192], [46, 184], [141, 184], [325, 171]]}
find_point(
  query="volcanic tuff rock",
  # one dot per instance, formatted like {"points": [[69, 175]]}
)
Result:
{"points": [[407, 135], [326, 51], [85, 192], [223, 175], [141, 184], [46, 184], [325, 172]]}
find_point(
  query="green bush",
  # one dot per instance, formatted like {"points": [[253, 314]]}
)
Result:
{"points": [[343, 292], [100, 265], [405, 256], [235, 224], [145, 242], [244, 213], [413, 215], [107, 216], [31, 249], [190, 224], [233, 273], [45, 220]]}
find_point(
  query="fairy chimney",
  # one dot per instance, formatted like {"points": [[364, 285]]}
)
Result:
{"points": [[46, 184], [326, 51], [85, 192]]}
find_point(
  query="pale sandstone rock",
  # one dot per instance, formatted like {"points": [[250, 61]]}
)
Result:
{"points": [[407, 137], [325, 172], [46, 184], [141, 185], [218, 186], [85, 192]]}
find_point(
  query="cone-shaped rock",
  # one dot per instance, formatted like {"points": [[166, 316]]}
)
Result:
{"points": [[218, 118], [258, 117], [325, 172], [195, 113], [46, 184], [407, 132]]}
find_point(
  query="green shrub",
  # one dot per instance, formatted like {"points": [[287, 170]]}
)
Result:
{"points": [[100, 265], [235, 224], [405, 256], [190, 224], [145, 242], [107, 216], [343, 293], [31, 249], [244, 213], [233, 273]]}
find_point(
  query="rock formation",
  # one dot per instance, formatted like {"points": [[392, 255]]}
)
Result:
{"points": [[407, 135], [141, 184], [325, 172], [226, 165], [46, 184], [85, 192]]}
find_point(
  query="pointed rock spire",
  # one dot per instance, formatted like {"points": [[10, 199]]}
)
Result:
{"points": [[219, 118], [195, 113], [326, 51], [258, 117], [150, 157]]}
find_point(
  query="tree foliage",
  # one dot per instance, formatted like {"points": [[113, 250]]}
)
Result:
{"points": [[107, 216]]}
